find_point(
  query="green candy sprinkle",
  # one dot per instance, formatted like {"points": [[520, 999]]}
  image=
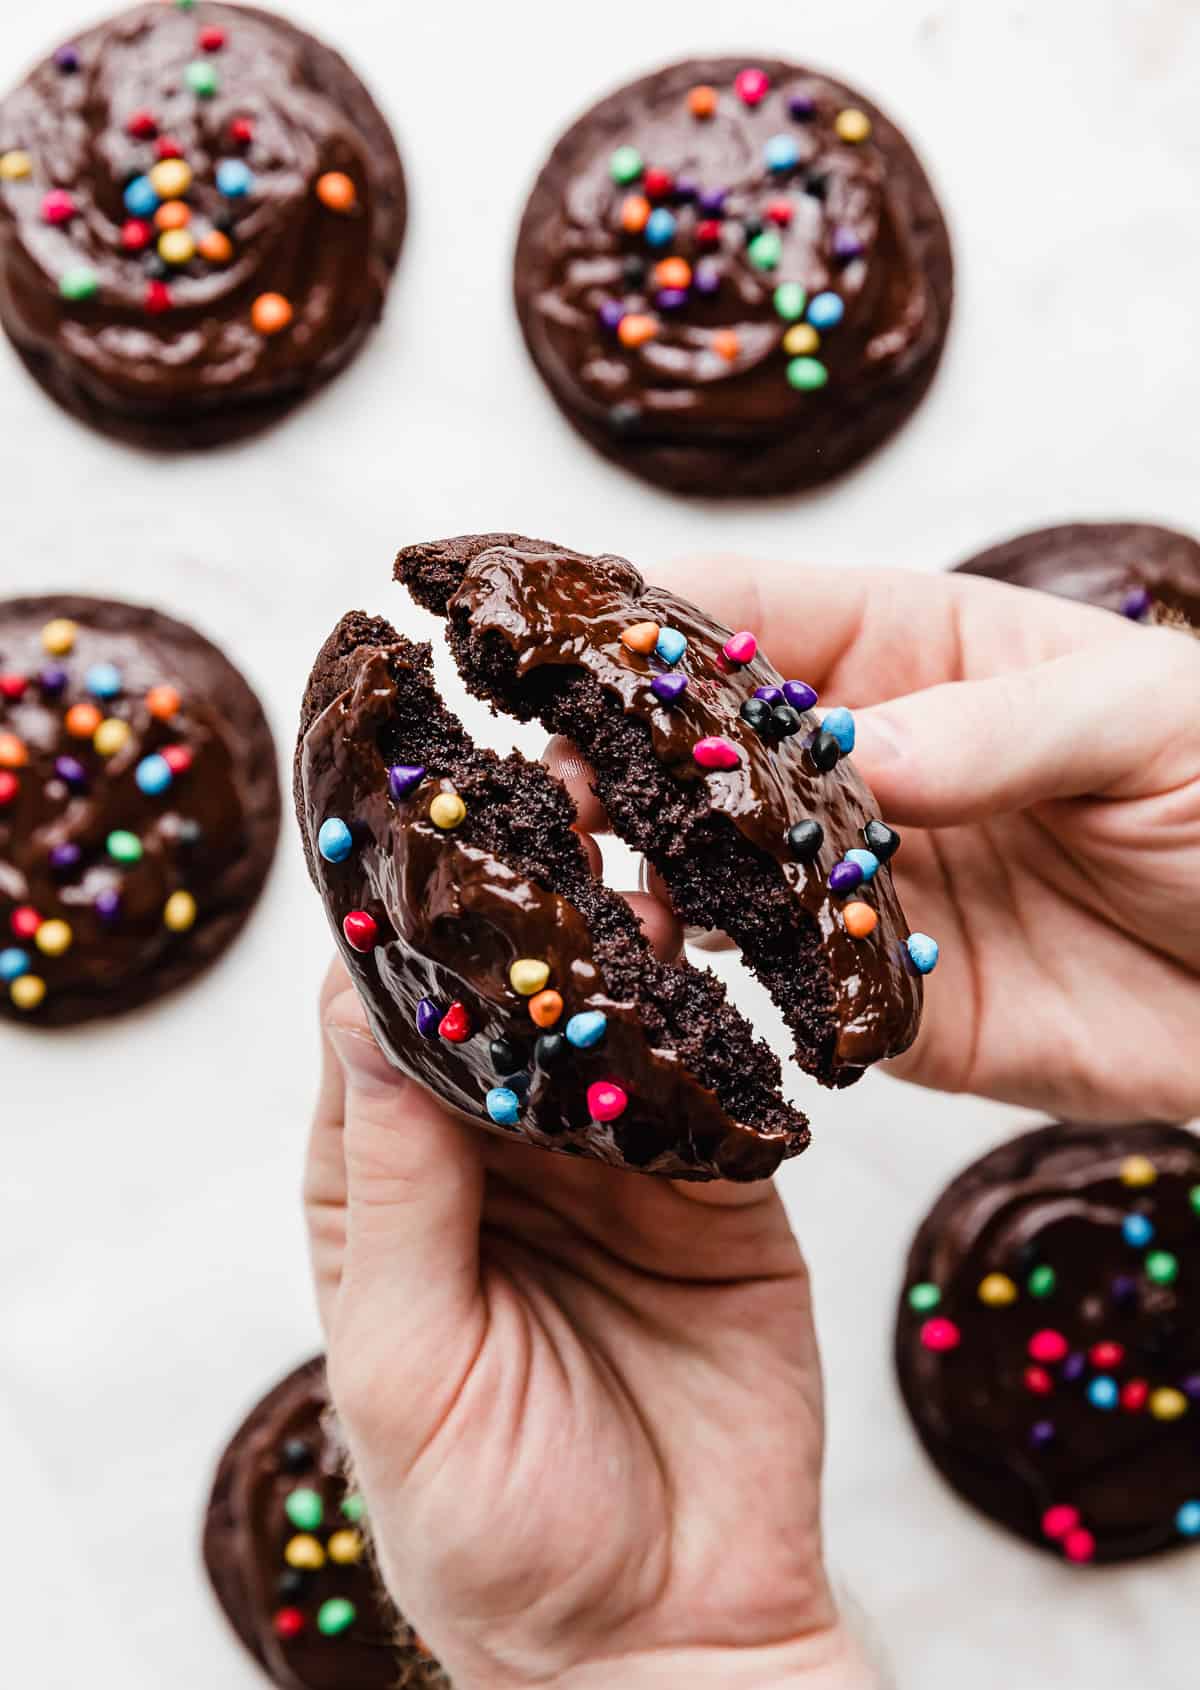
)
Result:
{"points": [[124, 847], [625, 165], [79, 283], [304, 1509], [1041, 1281], [765, 250], [924, 1297], [202, 79], [807, 374], [1194, 1198], [790, 300], [353, 1507], [185, 5], [335, 1616], [1162, 1267]]}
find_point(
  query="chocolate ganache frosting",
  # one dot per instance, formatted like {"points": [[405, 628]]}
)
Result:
{"points": [[1048, 1343], [139, 806], [200, 211], [285, 1547], [734, 277]]}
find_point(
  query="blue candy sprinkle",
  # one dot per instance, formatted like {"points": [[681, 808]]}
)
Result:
{"points": [[669, 688], [584, 1031], [1137, 1230], [103, 680], [1103, 1392], [335, 841], [13, 963], [429, 1015], [923, 952], [867, 861], [504, 1106], [670, 645], [140, 197], [781, 152], [825, 310], [234, 178], [660, 227], [1187, 1520], [153, 775], [840, 723]]}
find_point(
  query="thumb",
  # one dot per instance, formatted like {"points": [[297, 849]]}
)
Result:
{"points": [[1114, 721]]}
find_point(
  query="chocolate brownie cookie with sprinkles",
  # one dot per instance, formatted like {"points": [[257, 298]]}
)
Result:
{"points": [[734, 277], [1048, 1345], [286, 1547], [200, 211], [139, 806]]}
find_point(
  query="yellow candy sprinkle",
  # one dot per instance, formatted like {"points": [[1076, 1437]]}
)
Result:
{"points": [[1138, 1170], [171, 178], [304, 1552], [53, 938], [111, 736], [177, 246], [179, 912], [346, 1547], [15, 166], [59, 636], [28, 991], [447, 810], [1167, 1403], [528, 976], [997, 1290], [800, 340], [852, 124]]}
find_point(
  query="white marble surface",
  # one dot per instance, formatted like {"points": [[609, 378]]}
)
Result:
{"points": [[151, 1251]]}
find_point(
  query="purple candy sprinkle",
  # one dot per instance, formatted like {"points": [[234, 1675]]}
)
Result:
{"points": [[611, 313], [1041, 1433], [1074, 1367], [846, 245], [712, 202], [1136, 604], [1124, 1289], [1191, 1387], [65, 857], [71, 771], [404, 778], [429, 1015], [844, 877], [769, 695], [801, 107], [67, 59], [669, 688], [671, 299], [799, 694], [686, 187], [108, 904], [52, 678], [706, 277]]}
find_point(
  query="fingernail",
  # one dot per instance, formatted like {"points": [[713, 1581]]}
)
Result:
{"points": [[363, 1063], [877, 739]]}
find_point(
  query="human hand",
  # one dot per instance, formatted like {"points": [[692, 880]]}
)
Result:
{"points": [[1042, 761], [584, 1406]]}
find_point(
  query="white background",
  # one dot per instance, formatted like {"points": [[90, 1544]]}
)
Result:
{"points": [[151, 1252]]}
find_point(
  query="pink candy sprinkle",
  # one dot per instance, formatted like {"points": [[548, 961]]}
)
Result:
{"points": [[1079, 1546], [1048, 1346], [751, 85], [715, 753], [940, 1334], [58, 206], [1059, 1520], [606, 1100], [178, 758], [741, 648]]}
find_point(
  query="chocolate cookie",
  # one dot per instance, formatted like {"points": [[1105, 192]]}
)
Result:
{"points": [[712, 765], [1048, 1342], [1145, 572], [286, 1550], [495, 967], [200, 211], [139, 806], [734, 278]]}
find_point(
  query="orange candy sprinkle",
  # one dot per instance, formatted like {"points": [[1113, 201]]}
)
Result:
{"points": [[726, 345], [642, 636], [82, 720], [702, 100], [861, 920], [13, 754], [336, 191], [216, 247], [546, 1008], [636, 329], [635, 214], [673, 273], [174, 214], [271, 313], [162, 702]]}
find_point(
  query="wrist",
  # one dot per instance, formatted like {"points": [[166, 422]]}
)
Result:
{"points": [[825, 1660]]}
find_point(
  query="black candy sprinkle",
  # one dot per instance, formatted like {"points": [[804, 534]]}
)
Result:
{"points": [[825, 752], [506, 1058], [624, 418], [290, 1584], [785, 721], [882, 840], [550, 1049], [805, 839], [757, 712], [295, 1455]]}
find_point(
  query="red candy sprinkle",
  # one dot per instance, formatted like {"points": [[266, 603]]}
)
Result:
{"points": [[1048, 1346], [708, 232], [360, 930], [606, 1101], [1134, 1395], [136, 235], [1059, 1520], [715, 753], [24, 921], [9, 787], [157, 297], [657, 183], [241, 131], [1106, 1355], [751, 85], [288, 1622], [780, 211], [142, 125], [740, 648], [211, 38], [13, 686], [1038, 1381], [940, 1334], [455, 1025], [168, 147], [178, 758], [1079, 1546], [58, 206]]}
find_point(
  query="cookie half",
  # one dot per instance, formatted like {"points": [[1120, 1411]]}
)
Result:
{"points": [[711, 764], [1048, 1344], [139, 806], [495, 968], [1147, 573], [286, 1548], [734, 277], [200, 211]]}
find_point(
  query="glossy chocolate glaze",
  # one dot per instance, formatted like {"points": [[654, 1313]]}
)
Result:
{"points": [[452, 918], [1102, 563], [247, 1530], [1056, 1197], [869, 200], [198, 371], [212, 833], [558, 609]]}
